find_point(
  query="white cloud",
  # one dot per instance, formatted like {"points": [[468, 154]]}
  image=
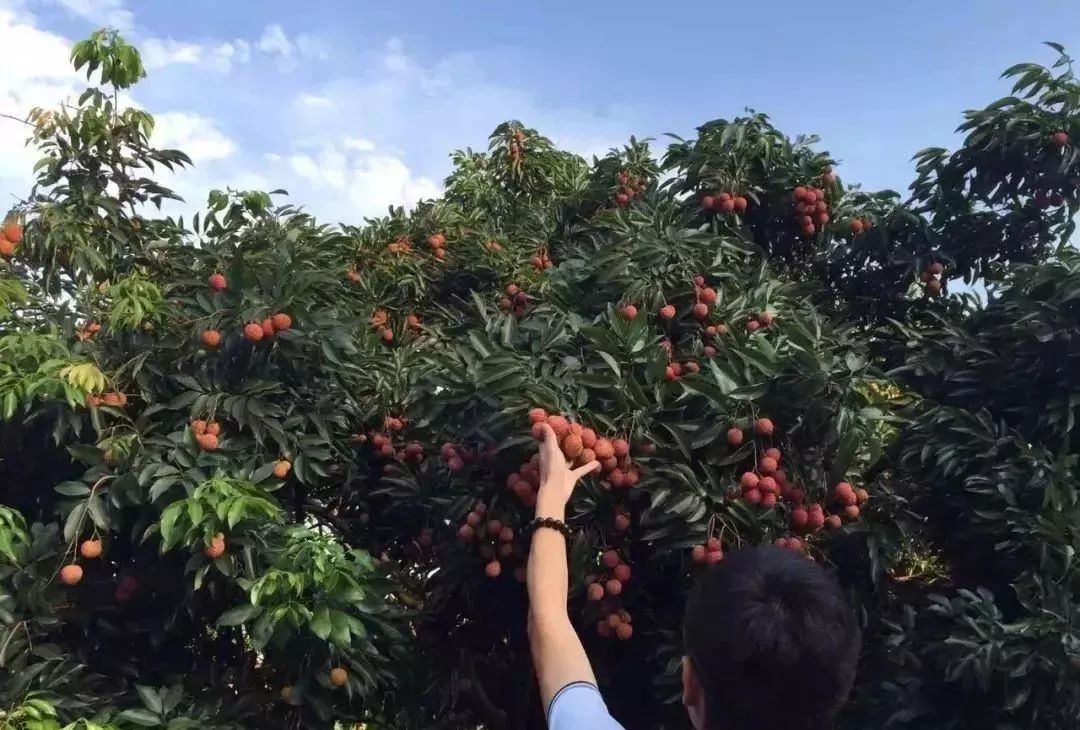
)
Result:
{"points": [[314, 100], [350, 180], [195, 134], [101, 12], [229, 53], [311, 47], [160, 52], [275, 42], [358, 144], [42, 77], [219, 56]]}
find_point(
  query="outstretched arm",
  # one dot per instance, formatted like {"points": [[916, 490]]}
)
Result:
{"points": [[558, 655]]}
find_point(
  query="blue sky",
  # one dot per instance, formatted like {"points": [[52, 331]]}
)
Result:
{"points": [[352, 106]]}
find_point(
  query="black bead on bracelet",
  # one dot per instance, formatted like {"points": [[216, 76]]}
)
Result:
{"points": [[550, 523]]}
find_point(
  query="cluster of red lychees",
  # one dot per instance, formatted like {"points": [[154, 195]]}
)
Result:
{"points": [[629, 188], [811, 210], [541, 260], [515, 301], [267, 328], [437, 243], [493, 541], [206, 434], [604, 588], [707, 553], [724, 203], [114, 399], [402, 244], [581, 445], [932, 278], [759, 321]]}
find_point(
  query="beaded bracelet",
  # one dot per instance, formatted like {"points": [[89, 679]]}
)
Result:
{"points": [[550, 523]]}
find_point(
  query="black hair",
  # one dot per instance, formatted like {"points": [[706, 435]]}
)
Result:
{"points": [[772, 640]]}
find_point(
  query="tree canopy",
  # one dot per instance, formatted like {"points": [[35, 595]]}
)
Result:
{"points": [[261, 471]]}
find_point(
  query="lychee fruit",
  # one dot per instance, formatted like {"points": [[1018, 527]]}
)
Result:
{"points": [[207, 441], [588, 438], [338, 677], [595, 592], [559, 425], [211, 338], [629, 311], [90, 549], [217, 282], [282, 322], [622, 572], [613, 587], [71, 574], [13, 232], [282, 468], [1059, 138], [604, 449], [701, 310], [253, 332], [697, 554], [799, 518], [667, 311], [763, 427], [767, 465], [735, 436], [610, 558], [493, 569], [537, 415], [216, 548]]}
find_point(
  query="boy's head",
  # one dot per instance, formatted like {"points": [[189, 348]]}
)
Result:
{"points": [[770, 643]]}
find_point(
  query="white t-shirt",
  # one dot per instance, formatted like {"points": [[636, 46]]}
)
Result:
{"points": [[579, 705]]}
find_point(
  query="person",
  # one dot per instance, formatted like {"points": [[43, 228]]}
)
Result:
{"points": [[770, 641]]}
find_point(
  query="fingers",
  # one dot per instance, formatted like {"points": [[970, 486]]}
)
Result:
{"points": [[583, 470], [550, 445], [549, 433]]}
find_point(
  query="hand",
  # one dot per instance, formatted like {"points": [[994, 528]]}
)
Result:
{"points": [[557, 479]]}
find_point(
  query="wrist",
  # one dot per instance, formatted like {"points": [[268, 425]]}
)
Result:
{"points": [[551, 508]]}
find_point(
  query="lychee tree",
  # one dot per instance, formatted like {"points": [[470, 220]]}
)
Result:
{"points": [[263, 472]]}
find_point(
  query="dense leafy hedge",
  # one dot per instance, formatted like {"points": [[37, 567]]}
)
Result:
{"points": [[257, 471]]}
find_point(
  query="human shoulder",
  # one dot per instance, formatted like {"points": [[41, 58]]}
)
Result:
{"points": [[579, 705]]}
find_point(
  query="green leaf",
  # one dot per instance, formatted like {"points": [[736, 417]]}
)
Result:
{"points": [[72, 489], [239, 615], [142, 717], [321, 625], [150, 698]]}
